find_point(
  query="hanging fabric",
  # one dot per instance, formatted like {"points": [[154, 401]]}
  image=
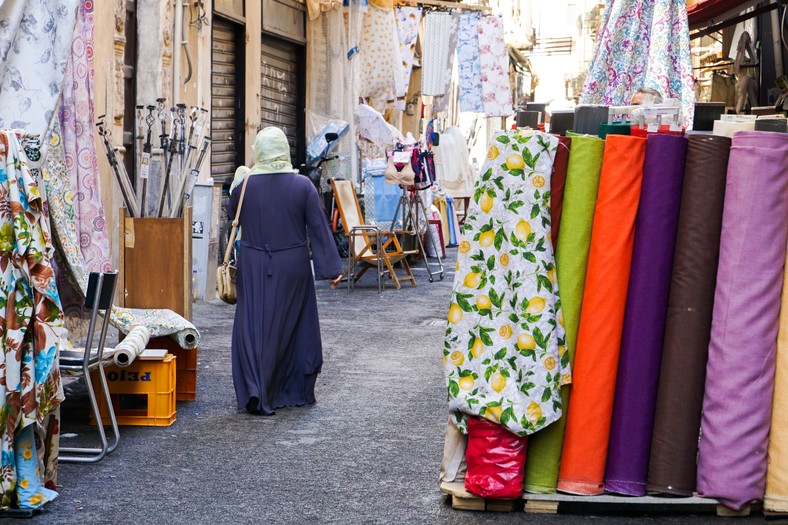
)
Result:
{"points": [[408, 21], [494, 61], [732, 450], [381, 61], [642, 43], [33, 32], [440, 37], [326, 63], [503, 343], [31, 313], [77, 123], [469, 61]]}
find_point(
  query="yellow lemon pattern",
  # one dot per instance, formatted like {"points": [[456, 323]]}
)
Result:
{"points": [[505, 348]]}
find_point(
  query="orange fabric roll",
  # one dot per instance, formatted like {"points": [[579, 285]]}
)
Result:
{"points": [[602, 317]]}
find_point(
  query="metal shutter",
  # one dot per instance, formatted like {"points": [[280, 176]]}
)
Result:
{"points": [[281, 100], [226, 100]]}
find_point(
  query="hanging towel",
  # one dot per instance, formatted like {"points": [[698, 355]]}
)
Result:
{"points": [[440, 37], [502, 344], [494, 60], [737, 401], [381, 62], [602, 317], [674, 444], [469, 61], [408, 21], [646, 311], [571, 256]]}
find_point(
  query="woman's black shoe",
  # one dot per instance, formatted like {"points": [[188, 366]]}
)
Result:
{"points": [[251, 407]]}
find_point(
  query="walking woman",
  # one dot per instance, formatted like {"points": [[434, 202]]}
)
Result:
{"points": [[276, 347]]}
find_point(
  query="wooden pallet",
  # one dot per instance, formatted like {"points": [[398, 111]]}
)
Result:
{"points": [[461, 499], [549, 503]]}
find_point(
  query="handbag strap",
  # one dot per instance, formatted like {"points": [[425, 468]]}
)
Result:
{"points": [[234, 230]]}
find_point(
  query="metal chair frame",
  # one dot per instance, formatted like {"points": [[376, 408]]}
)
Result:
{"points": [[98, 299]]}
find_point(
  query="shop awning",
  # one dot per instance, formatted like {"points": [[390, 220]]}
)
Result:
{"points": [[708, 12]]}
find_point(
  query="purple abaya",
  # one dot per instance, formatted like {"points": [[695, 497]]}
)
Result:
{"points": [[276, 347]]}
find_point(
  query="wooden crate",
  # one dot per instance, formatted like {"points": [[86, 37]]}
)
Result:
{"points": [[156, 263]]}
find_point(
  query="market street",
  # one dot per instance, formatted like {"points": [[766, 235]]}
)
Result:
{"points": [[368, 452]]}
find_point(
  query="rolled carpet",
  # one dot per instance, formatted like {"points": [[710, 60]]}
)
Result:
{"points": [[557, 184], [646, 310], [577, 217], [602, 317], [674, 442], [737, 403], [776, 498]]}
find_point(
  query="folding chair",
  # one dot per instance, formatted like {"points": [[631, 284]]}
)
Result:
{"points": [[367, 244], [101, 290]]}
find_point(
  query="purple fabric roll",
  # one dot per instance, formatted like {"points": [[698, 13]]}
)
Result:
{"points": [[644, 322], [740, 371]]}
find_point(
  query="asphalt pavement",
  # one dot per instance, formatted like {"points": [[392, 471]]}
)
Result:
{"points": [[368, 452]]}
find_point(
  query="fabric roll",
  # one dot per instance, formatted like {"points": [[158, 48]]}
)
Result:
{"points": [[577, 217], [725, 128], [618, 128], [674, 443], [602, 317], [771, 124], [494, 61], [732, 451], [440, 30], [646, 311], [589, 119], [131, 347], [468, 61], [557, 185], [776, 498], [159, 323]]}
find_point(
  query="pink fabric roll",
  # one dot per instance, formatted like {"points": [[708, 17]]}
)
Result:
{"points": [[740, 371]]}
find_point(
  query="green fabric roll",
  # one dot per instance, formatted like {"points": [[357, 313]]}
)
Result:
{"points": [[582, 183], [618, 128]]}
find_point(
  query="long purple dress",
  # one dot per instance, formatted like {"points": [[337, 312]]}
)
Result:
{"points": [[276, 348]]}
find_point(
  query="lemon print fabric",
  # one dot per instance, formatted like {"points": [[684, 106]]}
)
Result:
{"points": [[505, 349]]}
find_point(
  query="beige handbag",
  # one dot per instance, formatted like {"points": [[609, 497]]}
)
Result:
{"points": [[225, 273]]}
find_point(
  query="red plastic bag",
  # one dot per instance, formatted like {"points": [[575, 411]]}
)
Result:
{"points": [[496, 460]]}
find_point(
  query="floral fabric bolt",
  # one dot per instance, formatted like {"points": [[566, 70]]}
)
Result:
{"points": [[494, 61], [30, 312], [505, 352]]}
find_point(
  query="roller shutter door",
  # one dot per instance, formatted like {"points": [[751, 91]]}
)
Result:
{"points": [[226, 99], [282, 91]]}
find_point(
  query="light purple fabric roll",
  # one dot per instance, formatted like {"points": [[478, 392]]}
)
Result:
{"points": [[644, 324], [740, 371]]}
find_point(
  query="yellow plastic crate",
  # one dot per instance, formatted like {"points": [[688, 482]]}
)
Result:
{"points": [[143, 394]]}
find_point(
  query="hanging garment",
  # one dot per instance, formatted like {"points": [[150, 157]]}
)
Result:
{"points": [[77, 123], [408, 22], [494, 61], [602, 317], [469, 61], [504, 349], [776, 497], [34, 32], [380, 60], [646, 313], [31, 312], [440, 37], [452, 163], [674, 444], [276, 349], [732, 450], [571, 259], [326, 66], [642, 43]]}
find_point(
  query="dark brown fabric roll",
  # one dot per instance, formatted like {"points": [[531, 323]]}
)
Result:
{"points": [[557, 183], [672, 466]]}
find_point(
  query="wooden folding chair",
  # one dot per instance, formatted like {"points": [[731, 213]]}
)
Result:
{"points": [[367, 244]]}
